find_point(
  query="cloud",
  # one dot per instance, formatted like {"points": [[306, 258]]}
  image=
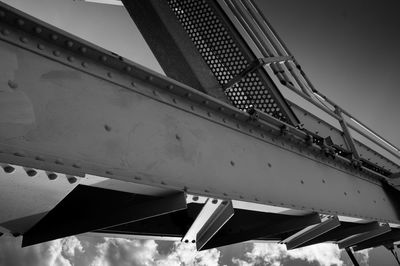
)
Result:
{"points": [[118, 251], [275, 254], [186, 254], [52, 253]]}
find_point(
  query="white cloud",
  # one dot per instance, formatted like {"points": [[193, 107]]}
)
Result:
{"points": [[274, 254], [47, 254], [186, 254], [118, 251]]}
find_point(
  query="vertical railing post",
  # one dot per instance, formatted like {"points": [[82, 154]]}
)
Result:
{"points": [[347, 136]]}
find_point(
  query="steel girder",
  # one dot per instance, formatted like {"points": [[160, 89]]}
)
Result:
{"points": [[71, 107]]}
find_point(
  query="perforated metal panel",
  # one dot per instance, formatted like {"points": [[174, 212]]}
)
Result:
{"points": [[224, 56]]}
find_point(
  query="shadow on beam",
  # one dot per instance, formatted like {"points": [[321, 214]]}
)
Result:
{"points": [[249, 225], [304, 238], [89, 208]]}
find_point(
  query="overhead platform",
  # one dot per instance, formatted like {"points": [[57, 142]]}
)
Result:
{"points": [[111, 147]]}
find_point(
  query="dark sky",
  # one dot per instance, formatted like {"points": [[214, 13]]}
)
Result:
{"points": [[349, 49]]}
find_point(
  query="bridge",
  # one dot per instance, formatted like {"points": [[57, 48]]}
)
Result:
{"points": [[234, 144]]}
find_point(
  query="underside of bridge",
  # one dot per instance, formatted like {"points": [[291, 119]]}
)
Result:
{"points": [[211, 154]]}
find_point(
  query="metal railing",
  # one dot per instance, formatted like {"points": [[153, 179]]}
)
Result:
{"points": [[290, 74]]}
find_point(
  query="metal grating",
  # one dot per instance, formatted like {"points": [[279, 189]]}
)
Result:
{"points": [[224, 57]]}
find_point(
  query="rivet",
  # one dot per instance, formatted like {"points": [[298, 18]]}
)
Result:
{"points": [[8, 169], [193, 241], [177, 137], [24, 39], [323, 181], [38, 30], [5, 32], [269, 165], [206, 191], [12, 84], [70, 44], [195, 198], [84, 64], [20, 22], [83, 49], [109, 173], [240, 197], [128, 69], [225, 194], [51, 176], [302, 182], [232, 163], [57, 53], [163, 183], [30, 172], [71, 58], [40, 46], [54, 37], [214, 201], [16, 234], [345, 193], [256, 199], [76, 165], [71, 179], [107, 128], [137, 178], [186, 241]]}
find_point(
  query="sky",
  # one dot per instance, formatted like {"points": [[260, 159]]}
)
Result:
{"points": [[349, 49]]}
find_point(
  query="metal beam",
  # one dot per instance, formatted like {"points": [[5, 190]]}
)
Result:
{"points": [[76, 101], [304, 238], [89, 208], [345, 230], [172, 46], [352, 241], [222, 214], [389, 237], [173, 224], [248, 225], [352, 258]]}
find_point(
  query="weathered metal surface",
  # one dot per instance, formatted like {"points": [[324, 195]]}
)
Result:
{"points": [[96, 114]]}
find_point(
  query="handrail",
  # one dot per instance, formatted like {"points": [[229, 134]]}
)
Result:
{"points": [[255, 21]]}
